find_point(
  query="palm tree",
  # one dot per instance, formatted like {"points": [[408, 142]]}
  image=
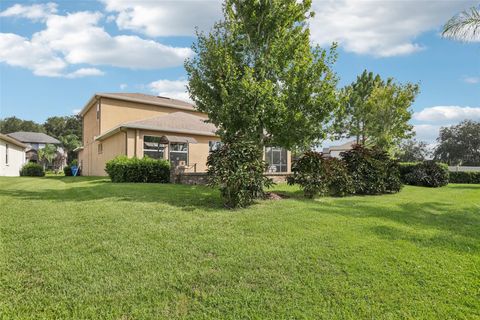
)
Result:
{"points": [[47, 154], [465, 26]]}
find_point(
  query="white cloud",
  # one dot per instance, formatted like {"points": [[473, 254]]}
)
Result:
{"points": [[164, 18], [426, 132], [76, 111], [471, 80], [380, 28], [77, 38], [85, 72], [33, 12], [447, 114], [170, 88], [123, 86]]}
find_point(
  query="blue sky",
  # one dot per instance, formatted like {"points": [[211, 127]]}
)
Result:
{"points": [[55, 55]]}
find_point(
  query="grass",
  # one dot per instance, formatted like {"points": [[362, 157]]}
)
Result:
{"points": [[84, 248]]}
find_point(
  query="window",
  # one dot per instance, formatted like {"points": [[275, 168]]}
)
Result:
{"points": [[152, 147], [100, 148], [214, 145], [98, 110], [7, 149], [276, 159], [178, 153]]}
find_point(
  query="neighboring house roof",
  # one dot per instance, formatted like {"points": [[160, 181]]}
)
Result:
{"points": [[33, 137], [343, 147], [141, 98], [176, 122], [12, 141]]}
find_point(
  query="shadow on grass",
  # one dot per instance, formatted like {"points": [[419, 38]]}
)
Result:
{"points": [[80, 189], [453, 227]]}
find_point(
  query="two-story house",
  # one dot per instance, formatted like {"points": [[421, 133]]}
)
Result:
{"points": [[138, 125]]}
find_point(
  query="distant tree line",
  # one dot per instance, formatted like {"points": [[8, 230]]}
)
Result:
{"points": [[67, 129]]}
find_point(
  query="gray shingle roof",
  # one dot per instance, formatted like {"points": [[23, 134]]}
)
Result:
{"points": [[178, 122], [33, 137]]}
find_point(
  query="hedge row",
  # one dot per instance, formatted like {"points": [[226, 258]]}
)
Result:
{"points": [[124, 169], [465, 177], [427, 174], [32, 169], [360, 171]]}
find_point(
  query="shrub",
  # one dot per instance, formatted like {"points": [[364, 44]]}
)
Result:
{"points": [[426, 174], [32, 170], [319, 176], [147, 170], [372, 170], [238, 169], [309, 173], [465, 177]]}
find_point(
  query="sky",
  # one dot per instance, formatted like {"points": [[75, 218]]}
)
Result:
{"points": [[55, 55]]}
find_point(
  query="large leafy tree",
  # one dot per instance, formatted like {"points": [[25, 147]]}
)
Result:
{"points": [[459, 144], [59, 127], [464, 26], [389, 116], [375, 111], [14, 124], [257, 76]]}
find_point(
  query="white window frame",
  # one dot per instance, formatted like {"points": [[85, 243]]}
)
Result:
{"points": [[7, 156], [156, 150]]}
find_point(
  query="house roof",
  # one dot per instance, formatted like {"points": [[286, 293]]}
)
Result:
{"points": [[140, 98], [12, 141], [33, 137], [176, 122], [343, 147]]}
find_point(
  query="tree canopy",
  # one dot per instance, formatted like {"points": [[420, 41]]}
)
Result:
{"points": [[375, 111], [257, 76], [459, 144], [412, 150], [14, 124]]}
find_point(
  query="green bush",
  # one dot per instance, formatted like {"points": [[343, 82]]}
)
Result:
{"points": [[32, 170], [145, 170], [465, 177], [319, 176], [427, 174], [372, 170], [238, 169]]}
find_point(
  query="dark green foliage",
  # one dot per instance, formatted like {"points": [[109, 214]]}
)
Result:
{"points": [[372, 171], [460, 144], [319, 176], [465, 177], [238, 169], [124, 169], [14, 124], [309, 173], [426, 174], [32, 170]]}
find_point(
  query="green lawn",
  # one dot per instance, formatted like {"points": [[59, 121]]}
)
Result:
{"points": [[84, 248]]}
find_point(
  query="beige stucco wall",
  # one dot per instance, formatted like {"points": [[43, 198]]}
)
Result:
{"points": [[130, 141], [93, 160], [115, 112], [16, 159]]}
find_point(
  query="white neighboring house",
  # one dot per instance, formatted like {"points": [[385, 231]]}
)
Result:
{"points": [[12, 156], [334, 152]]}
